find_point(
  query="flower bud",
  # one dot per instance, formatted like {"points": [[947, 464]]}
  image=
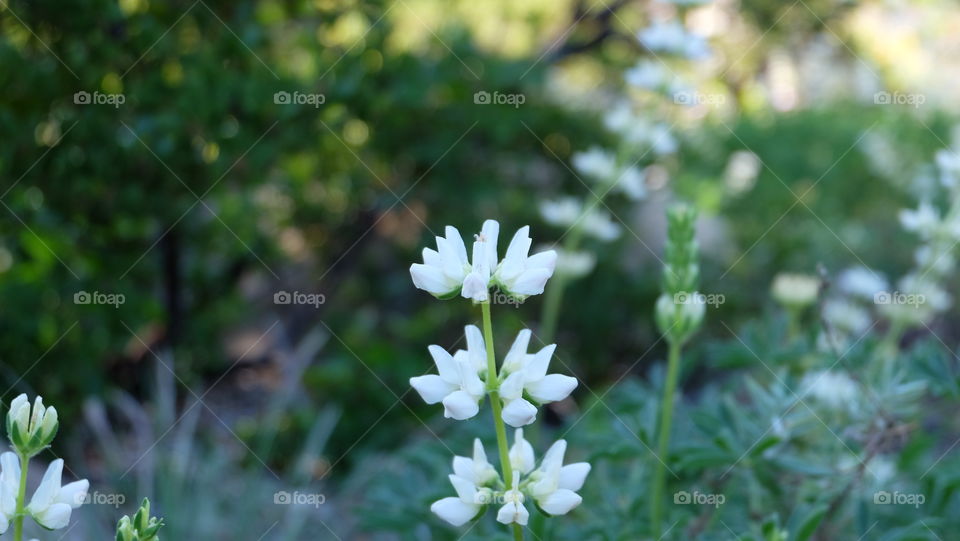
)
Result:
{"points": [[679, 317], [31, 430], [142, 527]]}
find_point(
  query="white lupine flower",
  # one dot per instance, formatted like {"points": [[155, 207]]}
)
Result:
{"points": [[461, 509], [52, 504], [457, 383], [9, 488], [553, 485], [478, 469], [443, 270], [527, 373], [672, 37], [513, 509], [31, 429], [476, 285], [939, 262], [795, 290], [521, 454], [862, 282], [599, 225], [471, 478], [632, 183], [520, 274], [595, 163]]}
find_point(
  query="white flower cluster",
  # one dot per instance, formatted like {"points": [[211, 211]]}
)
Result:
{"points": [[671, 37], [447, 272], [31, 429], [552, 486], [460, 383]]}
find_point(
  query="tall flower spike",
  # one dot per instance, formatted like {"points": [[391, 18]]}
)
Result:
{"points": [[31, 430]]}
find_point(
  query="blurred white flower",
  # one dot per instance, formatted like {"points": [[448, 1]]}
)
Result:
{"points": [[835, 389], [846, 316], [526, 373], [862, 282], [565, 211], [457, 384], [940, 262], [948, 162], [742, 169], [671, 37], [553, 485], [52, 503], [795, 290], [513, 510], [924, 220], [575, 264], [648, 74], [595, 163]]}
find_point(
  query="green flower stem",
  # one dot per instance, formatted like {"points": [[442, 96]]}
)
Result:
{"points": [[507, 470], [21, 499], [666, 419]]}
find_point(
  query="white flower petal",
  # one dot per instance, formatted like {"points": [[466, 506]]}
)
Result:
{"points": [[432, 388], [521, 454], [490, 231], [460, 405], [552, 388], [560, 502], [573, 475], [476, 349], [431, 280], [539, 362], [512, 387], [513, 512], [48, 489], [454, 510], [476, 288], [54, 517], [466, 489], [517, 355], [519, 413], [446, 365]]}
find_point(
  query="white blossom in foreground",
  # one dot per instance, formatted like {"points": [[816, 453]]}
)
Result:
{"points": [[526, 373], [447, 272], [457, 383], [520, 274], [552, 485], [513, 509], [51, 505]]}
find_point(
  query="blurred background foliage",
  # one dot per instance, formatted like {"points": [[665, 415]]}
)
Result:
{"points": [[201, 197]]}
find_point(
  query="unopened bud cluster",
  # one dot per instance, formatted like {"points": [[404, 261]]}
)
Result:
{"points": [[677, 318], [142, 527]]}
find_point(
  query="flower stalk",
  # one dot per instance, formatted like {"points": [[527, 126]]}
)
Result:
{"points": [[21, 498]]}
